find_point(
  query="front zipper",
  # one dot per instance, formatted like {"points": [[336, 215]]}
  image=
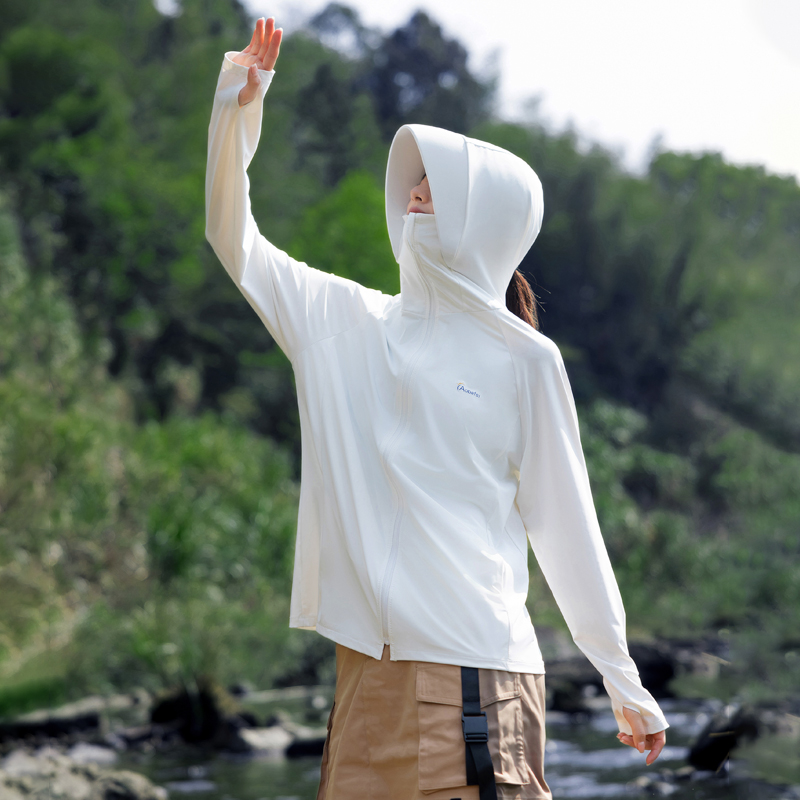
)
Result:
{"points": [[402, 426]]}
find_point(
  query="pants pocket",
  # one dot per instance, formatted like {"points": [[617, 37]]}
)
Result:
{"points": [[442, 755], [442, 762], [501, 699]]}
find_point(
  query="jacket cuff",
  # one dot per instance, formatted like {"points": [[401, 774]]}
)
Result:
{"points": [[234, 75], [653, 722]]}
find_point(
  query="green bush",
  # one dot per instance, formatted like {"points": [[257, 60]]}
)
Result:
{"points": [[127, 540]]}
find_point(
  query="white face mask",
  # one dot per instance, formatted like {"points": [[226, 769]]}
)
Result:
{"points": [[422, 236], [421, 264]]}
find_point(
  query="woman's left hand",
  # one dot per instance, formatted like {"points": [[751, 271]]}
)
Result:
{"points": [[261, 53], [654, 742]]}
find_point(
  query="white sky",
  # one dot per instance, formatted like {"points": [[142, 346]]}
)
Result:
{"points": [[720, 75]]}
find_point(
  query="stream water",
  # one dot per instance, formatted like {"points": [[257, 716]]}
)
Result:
{"points": [[581, 761]]}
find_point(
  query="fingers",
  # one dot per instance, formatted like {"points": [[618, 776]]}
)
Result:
{"points": [[249, 91], [659, 740], [263, 50], [636, 722], [653, 742], [274, 49], [269, 29], [250, 47]]}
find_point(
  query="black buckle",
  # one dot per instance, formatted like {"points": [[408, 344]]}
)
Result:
{"points": [[476, 728]]}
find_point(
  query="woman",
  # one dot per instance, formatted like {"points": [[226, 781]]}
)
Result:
{"points": [[439, 436]]}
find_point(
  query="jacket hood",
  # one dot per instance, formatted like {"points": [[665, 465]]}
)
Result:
{"points": [[488, 203]]}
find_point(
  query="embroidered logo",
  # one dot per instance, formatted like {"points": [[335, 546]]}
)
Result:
{"points": [[462, 388]]}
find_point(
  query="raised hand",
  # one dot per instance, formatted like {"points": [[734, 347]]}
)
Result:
{"points": [[261, 53], [654, 742]]}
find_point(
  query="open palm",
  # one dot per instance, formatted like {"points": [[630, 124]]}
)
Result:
{"points": [[261, 53]]}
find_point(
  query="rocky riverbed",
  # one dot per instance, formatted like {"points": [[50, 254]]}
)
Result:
{"points": [[81, 773], [251, 745]]}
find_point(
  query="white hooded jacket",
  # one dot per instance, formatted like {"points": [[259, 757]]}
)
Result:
{"points": [[439, 432]]}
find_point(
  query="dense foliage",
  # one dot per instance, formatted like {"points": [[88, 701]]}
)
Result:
{"points": [[148, 425]]}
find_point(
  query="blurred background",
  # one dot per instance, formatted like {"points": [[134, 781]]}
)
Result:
{"points": [[149, 435]]}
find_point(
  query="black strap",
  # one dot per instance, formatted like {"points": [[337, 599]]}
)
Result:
{"points": [[480, 771]]}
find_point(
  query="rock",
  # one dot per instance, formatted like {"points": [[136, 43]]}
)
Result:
{"points": [[124, 785], [209, 714], [191, 786], [569, 685], [274, 740], [229, 736], [19, 762], [85, 753], [134, 735], [286, 739], [722, 734], [655, 785], [683, 773], [319, 702], [50, 773], [571, 677], [196, 715], [80, 717], [779, 721], [300, 731], [663, 789], [287, 693], [305, 747], [565, 694], [302, 740], [656, 665], [10, 792], [703, 655], [248, 718], [49, 725], [94, 704]]}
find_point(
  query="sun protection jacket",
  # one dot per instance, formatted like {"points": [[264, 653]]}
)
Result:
{"points": [[439, 432]]}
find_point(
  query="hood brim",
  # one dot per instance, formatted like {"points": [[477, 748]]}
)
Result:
{"points": [[418, 150], [488, 203]]}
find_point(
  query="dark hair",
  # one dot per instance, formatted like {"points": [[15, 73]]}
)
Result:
{"points": [[520, 300]]}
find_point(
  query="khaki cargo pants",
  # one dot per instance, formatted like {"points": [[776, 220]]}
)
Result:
{"points": [[394, 732]]}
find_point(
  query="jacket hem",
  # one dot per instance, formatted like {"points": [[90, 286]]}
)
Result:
{"points": [[354, 644], [400, 654], [304, 623], [533, 668]]}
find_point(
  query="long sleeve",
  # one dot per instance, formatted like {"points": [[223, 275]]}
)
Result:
{"points": [[299, 305], [556, 505]]}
